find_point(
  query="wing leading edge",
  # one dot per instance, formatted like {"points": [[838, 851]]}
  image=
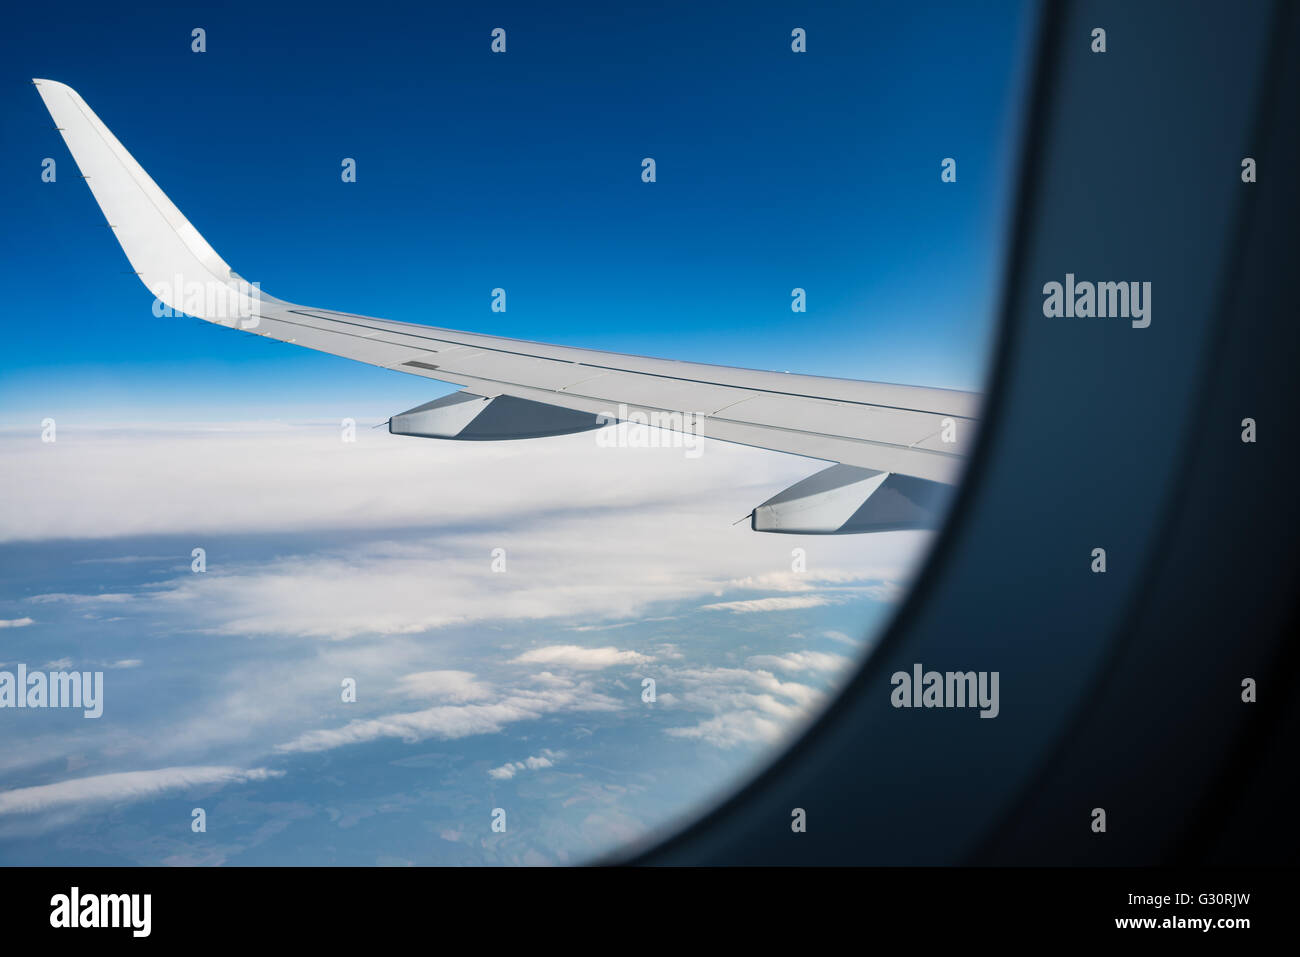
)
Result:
{"points": [[869, 428]]}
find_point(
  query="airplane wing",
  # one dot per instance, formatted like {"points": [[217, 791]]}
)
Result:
{"points": [[895, 447]]}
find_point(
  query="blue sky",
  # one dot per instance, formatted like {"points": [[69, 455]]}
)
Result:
{"points": [[521, 170], [329, 559]]}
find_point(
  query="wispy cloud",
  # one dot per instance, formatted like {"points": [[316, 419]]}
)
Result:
{"points": [[268, 477], [581, 659], [748, 706], [751, 606], [125, 786], [609, 559], [400, 585], [841, 637], [508, 770], [447, 685], [795, 661], [103, 598], [16, 622], [451, 721]]}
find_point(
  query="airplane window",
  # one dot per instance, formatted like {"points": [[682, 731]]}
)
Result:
{"points": [[705, 300]]}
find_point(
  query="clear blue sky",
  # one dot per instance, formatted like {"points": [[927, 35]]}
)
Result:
{"points": [[521, 170]]}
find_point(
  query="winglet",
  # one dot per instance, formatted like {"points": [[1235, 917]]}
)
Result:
{"points": [[174, 262]]}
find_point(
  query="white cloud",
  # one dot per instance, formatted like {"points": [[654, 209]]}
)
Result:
{"points": [[104, 598], [732, 729], [839, 636], [549, 679], [406, 577], [508, 770], [781, 603], [125, 786], [579, 658], [127, 559], [261, 476], [817, 580], [576, 567], [749, 706], [15, 622], [655, 530], [801, 661], [448, 722], [448, 685], [886, 591]]}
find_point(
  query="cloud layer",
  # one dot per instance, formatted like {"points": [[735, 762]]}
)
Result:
{"points": [[504, 601], [125, 786]]}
